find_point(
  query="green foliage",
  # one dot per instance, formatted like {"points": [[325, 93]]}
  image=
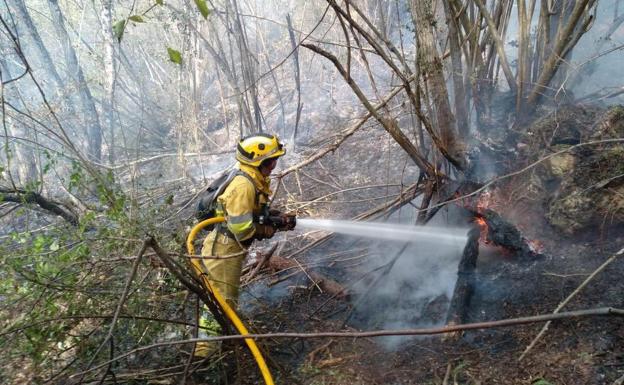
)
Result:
{"points": [[136, 18], [55, 281], [541, 381], [118, 29], [159, 2], [203, 8], [174, 55]]}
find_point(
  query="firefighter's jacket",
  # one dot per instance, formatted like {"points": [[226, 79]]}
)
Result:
{"points": [[241, 201]]}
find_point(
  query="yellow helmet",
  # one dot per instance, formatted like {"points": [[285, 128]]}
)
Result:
{"points": [[253, 149]]}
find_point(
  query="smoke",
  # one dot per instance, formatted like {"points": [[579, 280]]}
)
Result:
{"points": [[408, 277], [415, 291]]}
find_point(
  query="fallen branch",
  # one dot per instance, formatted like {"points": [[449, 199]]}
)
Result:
{"points": [[265, 257], [565, 302], [192, 283], [324, 284], [23, 196], [604, 311]]}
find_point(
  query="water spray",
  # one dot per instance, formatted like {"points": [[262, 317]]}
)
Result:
{"points": [[388, 231]]}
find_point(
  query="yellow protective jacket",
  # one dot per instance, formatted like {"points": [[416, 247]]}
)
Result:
{"points": [[241, 201]]}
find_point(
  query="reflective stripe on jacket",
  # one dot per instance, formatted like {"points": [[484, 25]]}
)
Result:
{"points": [[242, 199]]}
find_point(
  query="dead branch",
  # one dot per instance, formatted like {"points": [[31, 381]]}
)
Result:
{"points": [[344, 135], [324, 284], [22, 196], [464, 287], [265, 257], [388, 124], [191, 282], [603, 311], [572, 295]]}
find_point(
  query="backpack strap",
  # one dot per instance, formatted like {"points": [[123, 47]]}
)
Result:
{"points": [[258, 193]]}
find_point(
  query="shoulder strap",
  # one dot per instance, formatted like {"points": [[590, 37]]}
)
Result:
{"points": [[242, 173]]}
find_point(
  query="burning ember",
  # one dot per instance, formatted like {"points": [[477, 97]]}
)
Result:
{"points": [[483, 229], [536, 246]]}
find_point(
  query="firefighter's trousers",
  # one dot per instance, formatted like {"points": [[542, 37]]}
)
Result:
{"points": [[223, 274]]}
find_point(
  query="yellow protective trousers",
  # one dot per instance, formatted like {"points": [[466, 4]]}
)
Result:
{"points": [[225, 270], [223, 273]]}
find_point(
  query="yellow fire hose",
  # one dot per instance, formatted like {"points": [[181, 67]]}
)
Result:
{"points": [[227, 309]]}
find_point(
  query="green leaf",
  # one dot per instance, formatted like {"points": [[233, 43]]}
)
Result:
{"points": [[159, 2], [118, 29], [174, 55], [54, 246], [137, 18], [203, 8]]}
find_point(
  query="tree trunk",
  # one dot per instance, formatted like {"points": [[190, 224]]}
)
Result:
{"points": [[110, 74], [74, 71], [459, 93], [431, 69]]}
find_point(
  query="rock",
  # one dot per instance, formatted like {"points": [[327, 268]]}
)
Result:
{"points": [[585, 186]]}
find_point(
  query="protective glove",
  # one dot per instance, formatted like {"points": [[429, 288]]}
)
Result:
{"points": [[264, 231], [282, 221]]}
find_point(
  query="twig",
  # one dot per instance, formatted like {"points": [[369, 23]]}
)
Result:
{"points": [[120, 304], [447, 375], [604, 311], [308, 275], [261, 263], [133, 317], [565, 302]]}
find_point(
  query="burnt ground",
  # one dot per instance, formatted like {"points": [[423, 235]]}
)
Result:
{"points": [[585, 351]]}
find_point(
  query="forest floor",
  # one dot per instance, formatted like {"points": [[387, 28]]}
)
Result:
{"points": [[585, 351], [575, 351]]}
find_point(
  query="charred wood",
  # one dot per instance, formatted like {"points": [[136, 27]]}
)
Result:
{"points": [[328, 286], [464, 287], [504, 234]]}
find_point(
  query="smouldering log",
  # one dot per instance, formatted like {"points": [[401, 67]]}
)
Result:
{"points": [[504, 234], [464, 287]]}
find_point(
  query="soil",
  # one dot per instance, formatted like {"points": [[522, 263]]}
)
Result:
{"points": [[586, 351], [583, 351]]}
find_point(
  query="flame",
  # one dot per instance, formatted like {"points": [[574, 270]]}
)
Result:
{"points": [[483, 229], [536, 246]]}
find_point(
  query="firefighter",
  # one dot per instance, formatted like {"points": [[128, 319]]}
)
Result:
{"points": [[245, 205]]}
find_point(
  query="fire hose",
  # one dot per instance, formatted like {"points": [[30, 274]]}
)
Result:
{"points": [[227, 309]]}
